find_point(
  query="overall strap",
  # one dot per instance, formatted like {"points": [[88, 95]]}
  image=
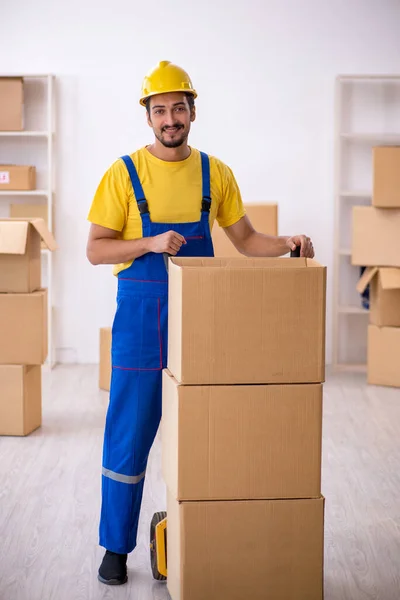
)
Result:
{"points": [[137, 186], [205, 172]]}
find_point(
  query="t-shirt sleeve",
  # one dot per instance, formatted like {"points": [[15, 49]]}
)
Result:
{"points": [[109, 206], [230, 209]]}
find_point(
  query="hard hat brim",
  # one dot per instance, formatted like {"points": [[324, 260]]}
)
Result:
{"points": [[143, 99]]}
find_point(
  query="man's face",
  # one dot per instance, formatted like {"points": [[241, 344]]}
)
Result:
{"points": [[170, 118]]}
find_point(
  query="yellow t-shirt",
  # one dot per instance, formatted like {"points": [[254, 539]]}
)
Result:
{"points": [[173, 192]]}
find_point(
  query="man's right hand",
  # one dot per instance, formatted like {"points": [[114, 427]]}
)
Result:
{"points": [[169, 242]]}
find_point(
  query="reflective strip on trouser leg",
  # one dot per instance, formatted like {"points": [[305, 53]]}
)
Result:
{"points": [[132, 479]]}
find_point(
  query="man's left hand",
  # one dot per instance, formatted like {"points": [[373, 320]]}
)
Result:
{"points": [[305, 243]]}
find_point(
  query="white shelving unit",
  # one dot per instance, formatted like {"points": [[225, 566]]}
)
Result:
{"points": [[35, 146], [367, 114]]}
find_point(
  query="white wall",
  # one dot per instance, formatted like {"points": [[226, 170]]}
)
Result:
{"points": [[264, 70]]}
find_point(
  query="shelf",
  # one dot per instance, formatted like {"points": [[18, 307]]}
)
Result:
{"points": [[355, 194], [24, 133], [353, 310], [379, 138], [23, 193], [351, 367]]}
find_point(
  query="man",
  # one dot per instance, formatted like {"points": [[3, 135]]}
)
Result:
{"points": [[164, 198]]}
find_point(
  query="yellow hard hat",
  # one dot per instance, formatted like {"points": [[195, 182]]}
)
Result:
{"points": [[166, 77]]}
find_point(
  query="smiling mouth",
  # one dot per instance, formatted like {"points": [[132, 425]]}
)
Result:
{"points": [[172, 130]]}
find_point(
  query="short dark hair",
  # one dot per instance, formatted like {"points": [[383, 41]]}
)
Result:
{"points": [[190, 99]]}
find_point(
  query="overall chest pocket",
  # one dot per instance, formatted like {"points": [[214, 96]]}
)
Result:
{"points": [[137, 333]]}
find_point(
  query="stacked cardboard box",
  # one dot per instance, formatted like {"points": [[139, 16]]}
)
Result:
{"points": [[11, 104], [23, 323], [263, 217], [242, 428], [376, 245]]}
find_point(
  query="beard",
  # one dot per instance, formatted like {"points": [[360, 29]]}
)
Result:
{"points": [[180, 136]]}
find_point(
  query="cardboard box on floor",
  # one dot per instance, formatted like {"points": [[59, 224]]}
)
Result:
{"points": [[20, 399], [241, 441], [384, 295], [386, 177], [20, 254], [242, 320], [23, 328], [258, 549], [383, 356], [11, 103], [264, 218], [375, 237], [17, 177], [105, 359]]}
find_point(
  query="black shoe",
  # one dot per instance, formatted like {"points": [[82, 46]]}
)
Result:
{"points": [[112, 570]]}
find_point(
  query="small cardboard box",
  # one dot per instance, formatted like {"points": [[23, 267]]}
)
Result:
{"points": [[384, 295], [241, 442], [105, 359], [386, 177], [242, 550], [383, 356], [23, 328], [246, 320], [20, 254], [17, 177], [11, 104], [20, 399], [375, 237], [263, 217]]}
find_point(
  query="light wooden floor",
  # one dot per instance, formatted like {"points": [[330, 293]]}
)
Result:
{"points": [[50, 496]]}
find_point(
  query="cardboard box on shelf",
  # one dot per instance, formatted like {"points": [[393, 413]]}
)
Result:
{"points": [[240, 320], [264, 218], [20, 399], [386, 177], [375, 237], [17, 177], [20, 254], [105, 359], [383, 356], [23, 328], [384, 295], [258, 549], [241, 441], [11, 104]]}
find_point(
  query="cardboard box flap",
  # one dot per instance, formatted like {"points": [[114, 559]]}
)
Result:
{"points": [[390, 278], [13, 236], [243, 263], [366, 279], [20, 225], [47, 237]]}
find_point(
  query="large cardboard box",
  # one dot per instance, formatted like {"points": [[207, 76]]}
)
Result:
{"points": [[241, 441], [17, 177], [375, 237], [383, 356], [105, 359], [240, 320], [386, 177], [20, 399], [384, 295], [23, 328], [264, 218], [11, 104], [20, 258], [242, 550]]}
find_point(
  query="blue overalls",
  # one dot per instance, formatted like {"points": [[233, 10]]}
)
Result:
{"points": [[139, 353]]}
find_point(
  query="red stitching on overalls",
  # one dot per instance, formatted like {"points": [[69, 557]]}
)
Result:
{"points": [[194, 237], [159, 332], [140, 280], [135, 368]]}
